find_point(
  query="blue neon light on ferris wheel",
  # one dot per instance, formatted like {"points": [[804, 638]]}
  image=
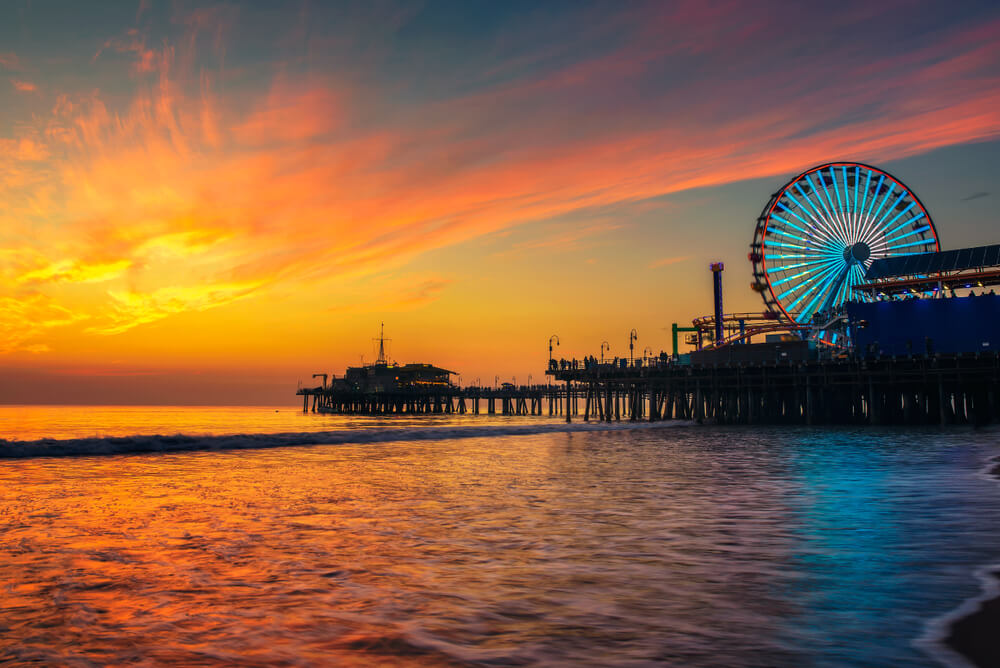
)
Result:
{"points": [[821, 231]]}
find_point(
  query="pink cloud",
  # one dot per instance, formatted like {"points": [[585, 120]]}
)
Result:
{"points": [[24, 86], [10, 61]]}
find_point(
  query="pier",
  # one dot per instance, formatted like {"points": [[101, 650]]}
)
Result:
{"points": [[866, 321], [524, 400], [929, 389]]}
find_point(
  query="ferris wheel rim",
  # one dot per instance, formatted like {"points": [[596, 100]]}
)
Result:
{"points": [[772, 301]]}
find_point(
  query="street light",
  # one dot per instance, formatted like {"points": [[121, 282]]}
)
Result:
{"points": [[604, 346], [550, 345], [632, 336], [496, 382]]}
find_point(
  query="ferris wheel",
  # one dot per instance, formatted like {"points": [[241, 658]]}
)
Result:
{"points": [[823, 229]]}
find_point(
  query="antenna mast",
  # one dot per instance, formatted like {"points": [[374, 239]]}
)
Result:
{"points": [[381, 346]]}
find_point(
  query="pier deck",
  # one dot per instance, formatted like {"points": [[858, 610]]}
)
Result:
{"points": [[926, 389], [918, 389]]}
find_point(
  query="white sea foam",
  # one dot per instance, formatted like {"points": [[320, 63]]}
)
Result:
{"points": [[115, 445]]}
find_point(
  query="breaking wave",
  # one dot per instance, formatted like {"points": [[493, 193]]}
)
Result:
{"points": [[117, 445]]}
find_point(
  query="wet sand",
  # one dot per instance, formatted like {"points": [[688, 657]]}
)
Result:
{"points": [[975, 635]]}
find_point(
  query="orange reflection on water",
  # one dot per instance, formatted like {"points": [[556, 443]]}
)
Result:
{"points": [[690, 546]]}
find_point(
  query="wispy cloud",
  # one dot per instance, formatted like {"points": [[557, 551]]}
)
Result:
{"points": [[977, 195], [405, 293], [24, 86], [568, 239], [10, 61], [663, 262]]}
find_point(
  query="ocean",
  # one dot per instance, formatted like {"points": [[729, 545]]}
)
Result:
{"points": [[265, 536]]}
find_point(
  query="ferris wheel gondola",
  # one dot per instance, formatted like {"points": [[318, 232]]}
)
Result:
{"points": [[822, 230]]}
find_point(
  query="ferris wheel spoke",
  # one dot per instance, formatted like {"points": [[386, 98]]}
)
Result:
{"points": [[854, 276], [798, 275], [818, 219], [909, 245], [794, 213], [836, 190], [873, 214], [876, 218], [837, 210], [849, 211], [815, 225], [790, 257], [815, 281], [843, 210], [814, 242], [828, 218], [882, 223], [897, 217], [798, 265], [871, 205], [919, 230], [888, 240], [825, 289], [857, 177], [829, 209], [864, 197]]}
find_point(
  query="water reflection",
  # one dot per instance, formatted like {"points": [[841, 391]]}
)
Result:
{"points": [[695, 546]]}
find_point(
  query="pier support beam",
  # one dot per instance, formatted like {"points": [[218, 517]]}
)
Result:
{"points": [[568, 394]]}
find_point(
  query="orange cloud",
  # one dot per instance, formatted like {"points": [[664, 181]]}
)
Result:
{"points": [[24, 86], [28, 317], [663, 262], [71, 271], [131, 308]]}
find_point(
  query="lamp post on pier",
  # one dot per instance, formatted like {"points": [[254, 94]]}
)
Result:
{"points": [[604, 346], [556, 339], [632, 337]]}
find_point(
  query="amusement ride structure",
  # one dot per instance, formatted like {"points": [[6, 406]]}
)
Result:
{"points": [[812, 246]]}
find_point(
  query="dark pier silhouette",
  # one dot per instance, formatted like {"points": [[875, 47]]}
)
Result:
{"points": [[926, 389], [435, 400], [920, 389]]}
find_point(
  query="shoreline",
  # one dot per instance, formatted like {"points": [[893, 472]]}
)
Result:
{"points": [[163, 443], [973, 635]]}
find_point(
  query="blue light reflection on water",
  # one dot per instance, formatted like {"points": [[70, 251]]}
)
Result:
{"points": [[887, 535]]}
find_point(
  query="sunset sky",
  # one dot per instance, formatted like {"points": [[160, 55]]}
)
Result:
{"points": [[207, 203]]}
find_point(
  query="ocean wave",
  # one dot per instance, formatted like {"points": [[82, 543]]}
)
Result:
{"points": [[117, 445]]}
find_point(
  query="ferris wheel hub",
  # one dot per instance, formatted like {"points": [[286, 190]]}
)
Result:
{"points": [[858, 253]]}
